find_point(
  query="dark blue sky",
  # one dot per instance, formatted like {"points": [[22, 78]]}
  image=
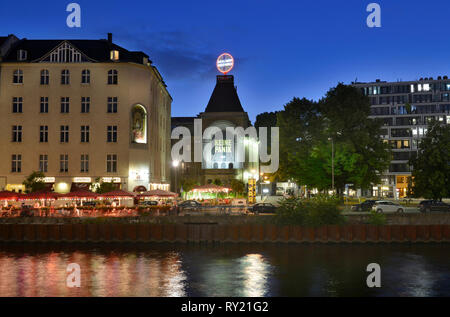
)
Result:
{"points": [[282, 48]]}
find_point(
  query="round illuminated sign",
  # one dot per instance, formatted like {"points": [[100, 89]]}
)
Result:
{"points": [[225, 63]]}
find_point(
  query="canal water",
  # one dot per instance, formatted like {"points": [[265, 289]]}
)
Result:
{"points": [[225, 270]]}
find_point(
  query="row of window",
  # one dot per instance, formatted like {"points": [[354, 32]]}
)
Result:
{"points": [[113, 77], [111, 163], [401, 110], [111, 107], [111, 134], [411, 88]]}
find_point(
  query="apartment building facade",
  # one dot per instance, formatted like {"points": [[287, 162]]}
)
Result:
{"points": [[82, 111], [406, 108]]}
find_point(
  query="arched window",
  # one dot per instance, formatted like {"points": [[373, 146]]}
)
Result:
{"points": [[18, 76], [85, 76], [216, 165], [113, 77], [45, 77], [139, 124]]}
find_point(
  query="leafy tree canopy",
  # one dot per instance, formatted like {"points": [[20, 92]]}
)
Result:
{"points": [[34, 182], [431, 167], [309, 130]]}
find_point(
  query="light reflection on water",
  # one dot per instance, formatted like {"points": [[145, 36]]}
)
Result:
{"points": [[227, 270]]}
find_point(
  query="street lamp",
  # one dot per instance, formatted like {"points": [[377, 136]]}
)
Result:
{"points": [[175, 164], [332, 163], [332, 160]]}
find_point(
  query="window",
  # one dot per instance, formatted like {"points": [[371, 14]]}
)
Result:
{"points": [[16, 163], [65, 77], [84, 133], [21, 55], [17, 133], [112, 77], [44, 105], [85, 104], [84, 163], [112, 133], [112, 104], [111, 163], [43, 163], [64, 163], [64, 134], [18, 76], [43, 134], [17, 104], [114, 55], [45, 77], [85, 76], [65, 104]]}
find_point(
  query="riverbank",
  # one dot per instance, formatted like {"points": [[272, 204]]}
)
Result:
{"points": [[213, 232], [355, 218]]}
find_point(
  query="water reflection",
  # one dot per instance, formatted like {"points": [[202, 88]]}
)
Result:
{"points": [[225, 270]]}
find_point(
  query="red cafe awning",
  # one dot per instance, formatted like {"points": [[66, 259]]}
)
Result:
{"points": [[7, 195], [80, 193], [118, 194], [158, 193], [210, 188], [41, 195]]}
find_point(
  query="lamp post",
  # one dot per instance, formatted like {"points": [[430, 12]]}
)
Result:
{"points": [[175, 164], [332, 163]]}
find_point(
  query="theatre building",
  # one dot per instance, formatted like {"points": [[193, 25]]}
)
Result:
{"points": [[224, 110], [82, 111]]}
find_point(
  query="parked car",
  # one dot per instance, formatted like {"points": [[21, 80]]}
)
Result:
{"points": [[433, 205], [364, 206], [263, 208], [189, 205], [146, 203], [387, 206], [279, 191]]}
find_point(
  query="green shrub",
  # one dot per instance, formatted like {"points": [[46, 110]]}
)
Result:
{"points": [[376, 218], [318, 211]]}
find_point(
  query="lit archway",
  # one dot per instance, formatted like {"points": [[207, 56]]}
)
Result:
{"points": [[138, 124]]}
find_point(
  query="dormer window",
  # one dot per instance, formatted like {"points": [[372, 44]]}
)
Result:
{"points": [[21, 55], [114, 55]]}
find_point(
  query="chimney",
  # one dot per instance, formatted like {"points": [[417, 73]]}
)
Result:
{"points": [[110, 38]]}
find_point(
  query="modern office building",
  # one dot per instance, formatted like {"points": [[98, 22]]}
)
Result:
{"points": [[224, 110], [406, 108], [82, 111]]}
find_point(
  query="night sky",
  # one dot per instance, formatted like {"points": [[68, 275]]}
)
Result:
{"points": [[282, 48]]}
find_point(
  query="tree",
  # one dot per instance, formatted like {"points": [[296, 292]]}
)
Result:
{"points": [[431, 167], [188, 184], [309, 130], [34, 182], [105, 187], [237, 186]]}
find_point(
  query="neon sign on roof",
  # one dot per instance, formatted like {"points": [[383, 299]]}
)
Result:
{"points": [[225, 63]]}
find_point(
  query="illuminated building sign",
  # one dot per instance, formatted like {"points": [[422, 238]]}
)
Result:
{"points": [[47, 179], [111, 179], [225, 63], [82, 180], [222, 146]]}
